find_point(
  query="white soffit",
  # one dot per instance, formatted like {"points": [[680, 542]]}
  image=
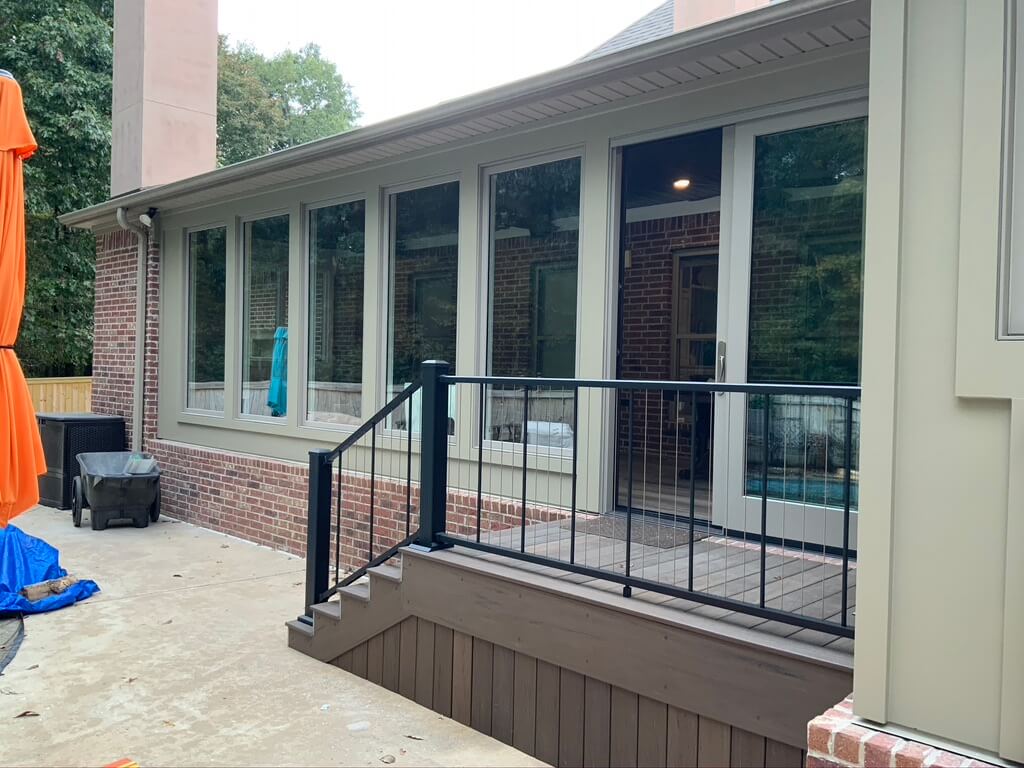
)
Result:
{"points": [[784, 32]]}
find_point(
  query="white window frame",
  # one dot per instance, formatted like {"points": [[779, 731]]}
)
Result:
{"points": [[366, 406], [187, 316], [497, 449], [387, 244], [731, 506], [237, 412]]}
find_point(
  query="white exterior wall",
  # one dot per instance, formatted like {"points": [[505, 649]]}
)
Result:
{"points": [[940, 603]]}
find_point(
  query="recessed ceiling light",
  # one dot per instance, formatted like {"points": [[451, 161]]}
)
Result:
{"points": [[680, 184]]}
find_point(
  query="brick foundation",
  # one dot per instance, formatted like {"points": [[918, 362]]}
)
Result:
{"points": [[835, 740]]}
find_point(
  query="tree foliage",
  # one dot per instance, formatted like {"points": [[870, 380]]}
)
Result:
{"points": [[265, 104], [61, 52]]}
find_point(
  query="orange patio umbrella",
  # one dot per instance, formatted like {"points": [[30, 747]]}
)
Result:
{"points": [[21, 452]]}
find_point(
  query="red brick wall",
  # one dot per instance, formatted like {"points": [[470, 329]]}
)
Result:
{"points": [[647, 289], [114, 331], [409, 265], [646, 344], [835, 740], [514, 313]]}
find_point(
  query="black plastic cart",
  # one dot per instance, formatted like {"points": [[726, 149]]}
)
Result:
{"points": [[118, 485]]}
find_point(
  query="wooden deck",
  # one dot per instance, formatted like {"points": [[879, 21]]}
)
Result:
{"points": [[800, 582]]}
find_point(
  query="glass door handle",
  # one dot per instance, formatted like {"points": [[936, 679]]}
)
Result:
{"points": [[720, 364]]}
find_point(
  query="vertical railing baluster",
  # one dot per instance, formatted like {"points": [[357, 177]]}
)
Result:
{"points": [[373, 467], [764, 492], [628, 590], [337, 523], [480, 459], [575, 442], [408, 466], [318, 527], [433, 455], [846, 508], [693, 480], [526, 425]]}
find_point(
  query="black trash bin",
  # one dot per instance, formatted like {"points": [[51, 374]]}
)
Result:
{"points": [[64, 436], [118, 485]]}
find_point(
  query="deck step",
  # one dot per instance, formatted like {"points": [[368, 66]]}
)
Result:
{"points": [[300, 627], [360, 591], [329, 610], [389, 572]]}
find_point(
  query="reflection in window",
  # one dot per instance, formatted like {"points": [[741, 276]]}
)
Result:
{"points": [[424, 271], [805, 305], [207, 261], [534, 250], [336, 263], [265, 332]]}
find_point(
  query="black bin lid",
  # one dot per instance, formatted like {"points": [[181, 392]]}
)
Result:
{"points": [[79, 418]]}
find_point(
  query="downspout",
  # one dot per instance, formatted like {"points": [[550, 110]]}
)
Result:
{"points": [[138, 384]]}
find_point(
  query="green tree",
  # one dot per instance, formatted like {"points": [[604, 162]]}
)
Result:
{"points": [[249, 120], [269, 103], [61, 52]]}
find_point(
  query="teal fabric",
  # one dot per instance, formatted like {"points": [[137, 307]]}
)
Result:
{"points": [[277, 397]]}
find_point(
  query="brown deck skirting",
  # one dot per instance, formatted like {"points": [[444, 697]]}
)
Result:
{"points": [[760, 683], [572, 674]]}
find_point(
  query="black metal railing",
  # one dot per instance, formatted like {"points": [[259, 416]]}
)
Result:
{"points": [[629, 482], [777, 544], [362, 499]]}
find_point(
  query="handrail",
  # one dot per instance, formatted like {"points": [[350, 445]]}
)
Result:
{"points": [[706, 387], [376, 419], [380, 559], [325, 507]]}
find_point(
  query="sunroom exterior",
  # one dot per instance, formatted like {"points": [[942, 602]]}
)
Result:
{"points": [[236, 447]]}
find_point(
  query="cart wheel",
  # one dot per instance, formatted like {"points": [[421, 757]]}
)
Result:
{"points": [[76, 502], [154, 508]]}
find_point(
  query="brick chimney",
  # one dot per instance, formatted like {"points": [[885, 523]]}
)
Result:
{"points": [[695, 13], [165, 92]]}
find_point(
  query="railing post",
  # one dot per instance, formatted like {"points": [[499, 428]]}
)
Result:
{"points": [[318, 526], [433, 454]]}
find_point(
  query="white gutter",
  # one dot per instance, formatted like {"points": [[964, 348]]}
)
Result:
{"points": [[139, 381]]}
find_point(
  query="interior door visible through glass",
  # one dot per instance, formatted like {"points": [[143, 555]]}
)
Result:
{"points": [[668, 321]]}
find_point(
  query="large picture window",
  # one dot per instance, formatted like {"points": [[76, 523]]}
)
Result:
{"points": [[424, 271], [336, 267], [207, 261], [534, 256], [265, 315]]}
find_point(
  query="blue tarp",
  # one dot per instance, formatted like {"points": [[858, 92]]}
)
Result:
{"points": [[26, 560], [277, 397]]}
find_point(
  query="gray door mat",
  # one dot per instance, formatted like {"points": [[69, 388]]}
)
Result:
{"points": [[12, 630], [647, 531]]}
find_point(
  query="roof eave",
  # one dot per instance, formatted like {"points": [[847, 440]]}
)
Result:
{"points": [[466, 107]]}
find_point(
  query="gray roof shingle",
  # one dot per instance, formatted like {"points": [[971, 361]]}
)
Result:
{"points": [[658, 23]]}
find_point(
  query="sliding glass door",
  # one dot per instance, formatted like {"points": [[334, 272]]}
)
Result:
{"points": [[794, 318]]}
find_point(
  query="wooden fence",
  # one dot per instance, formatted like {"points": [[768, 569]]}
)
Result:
{"points": [[62, 395]]}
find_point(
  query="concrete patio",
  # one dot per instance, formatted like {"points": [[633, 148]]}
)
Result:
{"points": [[181, 660]]}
